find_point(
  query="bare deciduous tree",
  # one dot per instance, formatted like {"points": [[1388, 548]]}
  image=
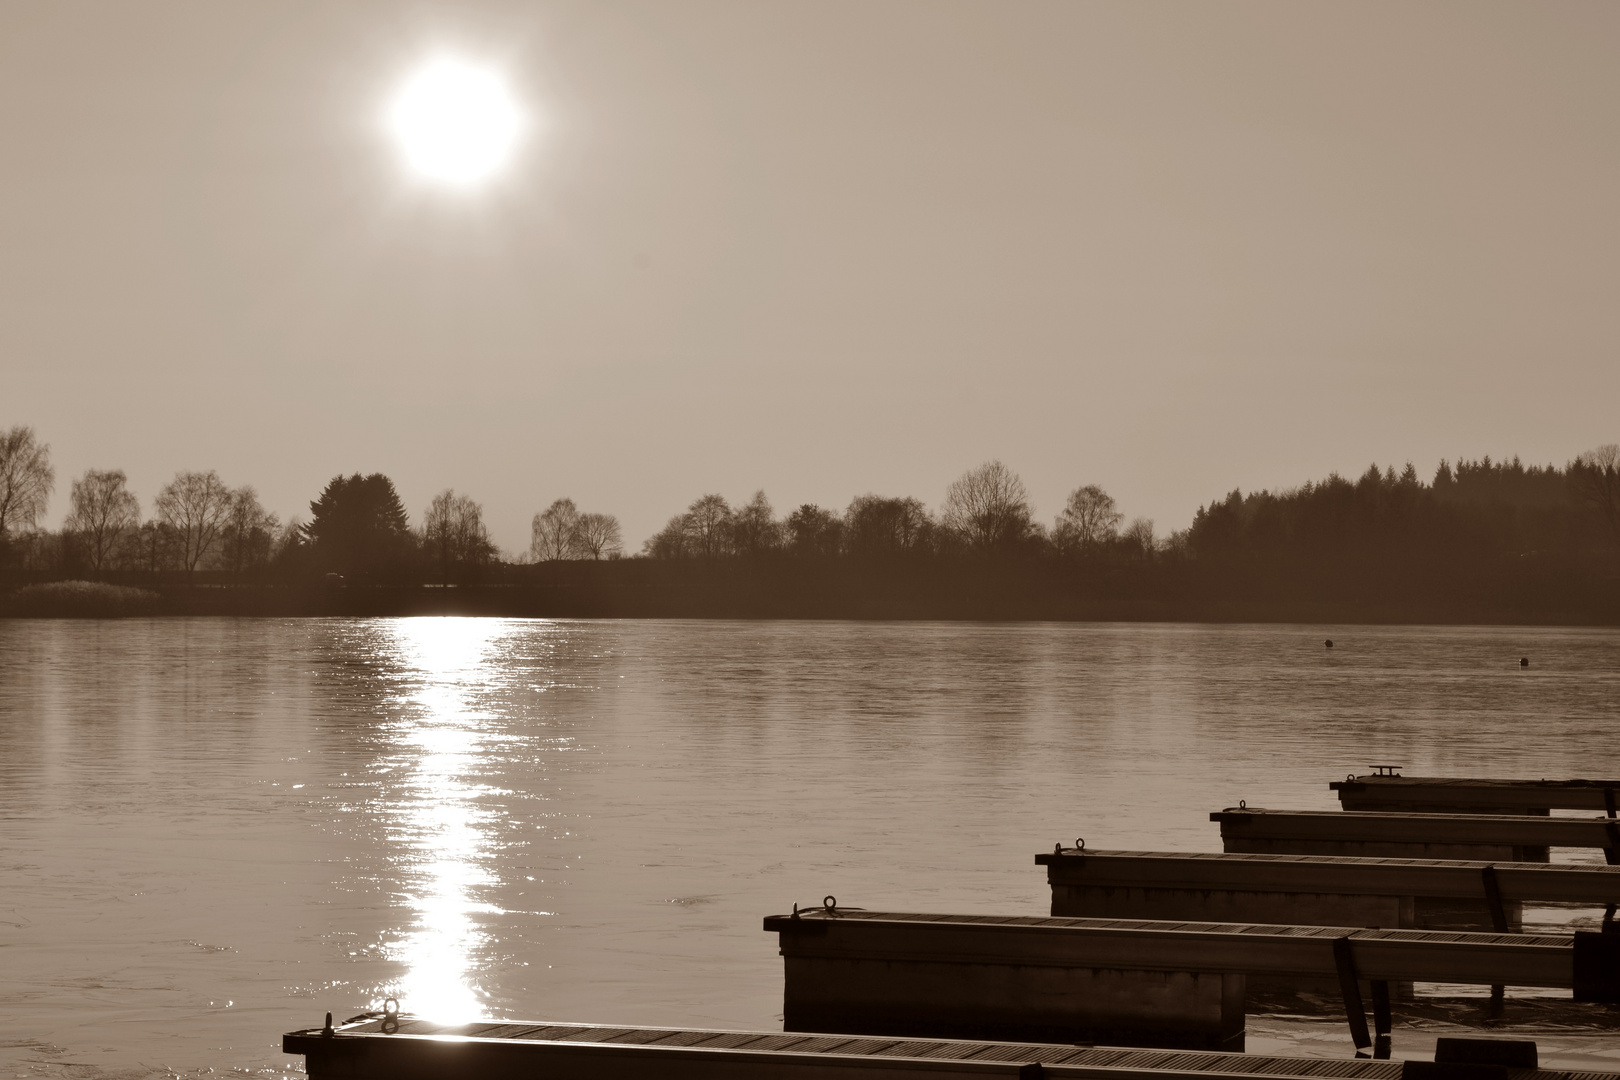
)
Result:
{"points": [[1595, 476], [597, 536], [249, 533], [1089, 519], [708, 526], [454, 533], [1139, 538], [104, 514], [26, 480], [875, 525], [754, 528], [554, 532], [988, 507], [195, 507], [811, 530], [704, 531]]}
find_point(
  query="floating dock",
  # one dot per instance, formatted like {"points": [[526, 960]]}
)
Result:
{"points": [[369, 1048], [1167, 984], [1380, 834], [1316, 890], [1464, 795]]}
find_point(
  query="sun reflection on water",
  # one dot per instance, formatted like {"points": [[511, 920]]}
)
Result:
{"points": [[440, 736]]}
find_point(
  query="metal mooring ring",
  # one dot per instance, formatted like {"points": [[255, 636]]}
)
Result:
{"points": [[829, 904], [390, 1020], [1079, 843], [1243, 804]]}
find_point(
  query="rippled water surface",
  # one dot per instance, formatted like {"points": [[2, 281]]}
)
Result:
{"points": [[213, 831]]}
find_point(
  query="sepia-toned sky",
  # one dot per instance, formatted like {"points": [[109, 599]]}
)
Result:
{"points": [[822, 248]]}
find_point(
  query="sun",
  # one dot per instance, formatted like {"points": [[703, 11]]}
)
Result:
{"points": [[456, 123]]}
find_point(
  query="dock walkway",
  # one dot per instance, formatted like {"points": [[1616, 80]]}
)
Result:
{"points": [[1365, 833], [502, 1050], [1316, 889], [1128, 981], [1459, 794]]}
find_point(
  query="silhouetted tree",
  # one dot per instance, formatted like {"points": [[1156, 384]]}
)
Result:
{"points": [[358, 525], [1089, 520], [103, 515], [703, 532], [988, 507], [876, 526], [1139, 540], [597, 536], [554, 533], [195, 506], [1595, 478], [754, 529], [454, 534], [26, 480], [811, 530], [248, 536]]}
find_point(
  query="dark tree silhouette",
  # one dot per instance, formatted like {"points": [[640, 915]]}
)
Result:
{"points": [[1089, 520], [249, 533], [26, 480], [104, 515], [703, 532], [554, 532], [876, 526], [988, 508], [359, 525], [194, 506], [811, 530], [1595, 477], [754, 528], [454, 535], [597, 536]]}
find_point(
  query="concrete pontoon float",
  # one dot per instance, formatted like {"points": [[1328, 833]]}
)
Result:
{"points": [[1383, 834], [1388, 790], [1134, 982], [406, 1048], [1316, 890]]}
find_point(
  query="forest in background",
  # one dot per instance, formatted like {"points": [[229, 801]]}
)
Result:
{"points": [[1480, 541]]}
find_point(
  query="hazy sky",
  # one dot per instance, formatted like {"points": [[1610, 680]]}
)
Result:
{"points": [[821, 248]]}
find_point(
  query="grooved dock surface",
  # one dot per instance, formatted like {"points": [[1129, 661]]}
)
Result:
{"points": [[1146, 926], [1461, 791], [1543, 960], [1592, 884], [1411, 826], [751, 1047]]}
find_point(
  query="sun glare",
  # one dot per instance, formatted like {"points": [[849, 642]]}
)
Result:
{"points": [[456, 123]]}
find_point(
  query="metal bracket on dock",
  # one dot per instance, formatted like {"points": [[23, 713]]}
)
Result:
{"points": [[1354, 1011], [1383, 1020], [1493, 899]]}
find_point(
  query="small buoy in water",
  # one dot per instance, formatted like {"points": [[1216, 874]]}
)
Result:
{"points": [[1524, 661], [1330, 643]]}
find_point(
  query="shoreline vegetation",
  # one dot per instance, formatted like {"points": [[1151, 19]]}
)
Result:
{"points": [[1487, 542]]}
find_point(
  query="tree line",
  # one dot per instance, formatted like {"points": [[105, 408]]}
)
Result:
{"points": [[357, 526], [1477, 536], [986, 511]]}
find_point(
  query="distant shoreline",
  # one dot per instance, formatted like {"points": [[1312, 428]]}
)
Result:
{"points": [[599, 599]]}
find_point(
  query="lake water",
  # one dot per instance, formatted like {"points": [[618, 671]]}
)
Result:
{"points": [[216, 830]]}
